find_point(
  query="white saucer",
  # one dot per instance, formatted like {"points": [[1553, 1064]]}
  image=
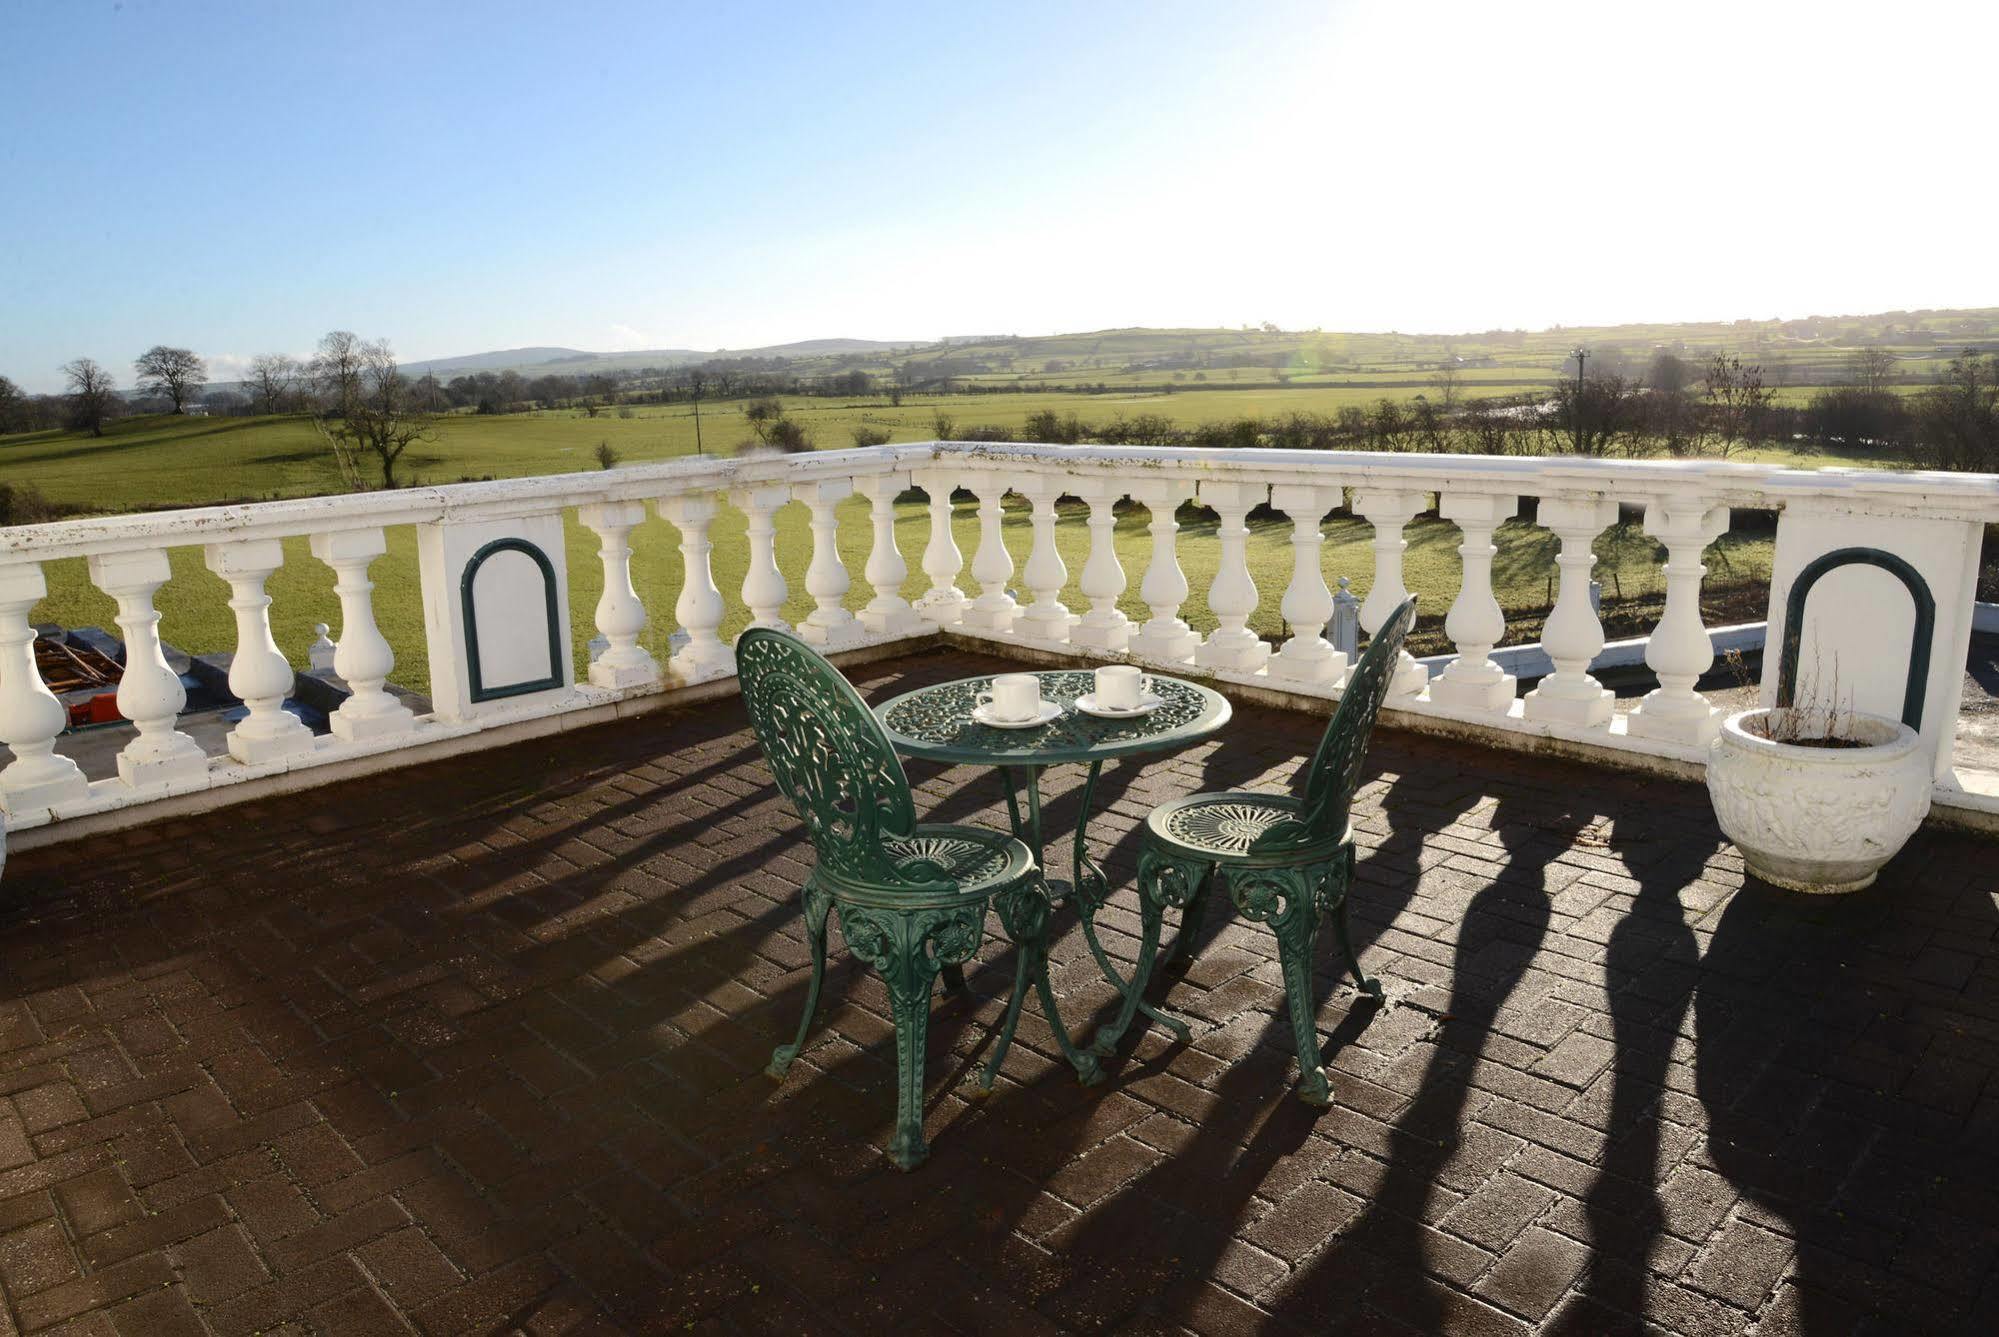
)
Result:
{"points": [[1087, 703], [1048, 713]]}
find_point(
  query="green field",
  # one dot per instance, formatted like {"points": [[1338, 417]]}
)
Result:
{"points": [[156, 462]]}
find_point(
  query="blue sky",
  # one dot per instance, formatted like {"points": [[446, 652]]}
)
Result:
{"points": [[240, 178]]}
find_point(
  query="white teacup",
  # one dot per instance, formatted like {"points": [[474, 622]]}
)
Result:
{"points": [[1121, 687], [1013, 696]]}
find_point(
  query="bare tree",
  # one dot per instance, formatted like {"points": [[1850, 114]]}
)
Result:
{"points": [[1871, 369], [381, 421], [1448, 383], [1738, 404], [13, 406], [336, 370], [92, 395], [176, 373], [274, 379]]}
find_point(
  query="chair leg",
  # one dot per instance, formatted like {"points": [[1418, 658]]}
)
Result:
{"points": [[907, 1148], [817, 903], [1344, 871], [1191, 920], [1287, 900]]}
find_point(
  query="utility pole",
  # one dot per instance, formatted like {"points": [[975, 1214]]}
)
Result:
{"points": [[1576, 416]]}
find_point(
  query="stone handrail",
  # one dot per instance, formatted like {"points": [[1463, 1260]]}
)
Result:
{"points": [[1926, 518]]}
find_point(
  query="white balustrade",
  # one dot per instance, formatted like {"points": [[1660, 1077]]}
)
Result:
{"points": [[621, 615], [829, 626], [888, 615], [1046, 619], [259, 675], [943, 603], [150, 693], [1307, 656], [992, 564], [1476, 623], [1104, 628], [30, 716], [1388, 511], [362, 657], [1232, 647], [1573, 635], [764, 590], [699, 653], [1165, 638], [1680, 651]]}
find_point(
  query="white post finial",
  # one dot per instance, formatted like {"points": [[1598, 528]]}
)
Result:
{"points": [[320, 653], [1232, 597], [1165, 638], [764, 589], [1680, 650], [701, 655], [1476, 623], [621, 615], [30, 716], [1104, 627], [1388, 511], [260, 676], [363, 658], [1307, 657], [1573, 635], [830, 626], [150, 693], [1046, 618]]}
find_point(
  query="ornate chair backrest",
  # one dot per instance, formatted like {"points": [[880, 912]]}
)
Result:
{"points": [[1335, 769], [829, 755]]}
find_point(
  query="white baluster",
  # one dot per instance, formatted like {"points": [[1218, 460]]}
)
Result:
{"points": [[1046, 619], [149, 693], [992, 564], [1573, 635], [1232, 646], [888, 615], [1388, 511], [30, 716], [1165, 638], [1680, 650], [621, 615], [1307, 657], [260, 675], [1476, 623], [829, 626], [362, 658], [943, 603], [764, 589], [699, 653], [1104, 627]]}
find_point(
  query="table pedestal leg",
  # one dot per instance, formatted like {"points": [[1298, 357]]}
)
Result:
{"points": [[1025, 913], [1092, 889]]}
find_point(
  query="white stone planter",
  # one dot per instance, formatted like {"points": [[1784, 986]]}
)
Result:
{"points": [[1818, 819]]}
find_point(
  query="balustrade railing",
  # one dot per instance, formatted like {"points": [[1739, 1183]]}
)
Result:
{"points": [[1071, 497]]}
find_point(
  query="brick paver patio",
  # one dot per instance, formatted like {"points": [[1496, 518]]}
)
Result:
{"points": [[479, 1047]]}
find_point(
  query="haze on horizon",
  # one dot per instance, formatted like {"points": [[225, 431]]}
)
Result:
{"points": [[239, 178]]}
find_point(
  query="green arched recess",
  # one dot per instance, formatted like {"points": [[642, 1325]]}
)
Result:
{"points": [[551, 604], [1926, 621]]}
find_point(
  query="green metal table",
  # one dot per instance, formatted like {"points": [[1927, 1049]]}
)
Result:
{"points": [[936, 724]]}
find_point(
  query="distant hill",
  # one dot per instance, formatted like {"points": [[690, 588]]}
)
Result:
{"points": [[579, 362]]}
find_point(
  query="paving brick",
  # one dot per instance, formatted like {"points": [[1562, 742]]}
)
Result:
{"points": [[1534, 1273]]}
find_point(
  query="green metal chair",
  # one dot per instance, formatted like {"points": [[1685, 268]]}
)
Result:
{"points": [[912, 898], [1288, 860]]}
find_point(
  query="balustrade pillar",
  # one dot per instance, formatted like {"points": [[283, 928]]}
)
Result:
{"points": [[621, 615], [943, 603], [1165, 638], [1680, 650], [1473, 681], [1573, 635], [1307, 656], [362, 657], [992, 564], [1104, 627], [259, 675], [764, 589], [1232, 646], [699, 653], [30, 716], [149, 692], [1046, 618], [888, 615], [829, 626], [1387, 511]]}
